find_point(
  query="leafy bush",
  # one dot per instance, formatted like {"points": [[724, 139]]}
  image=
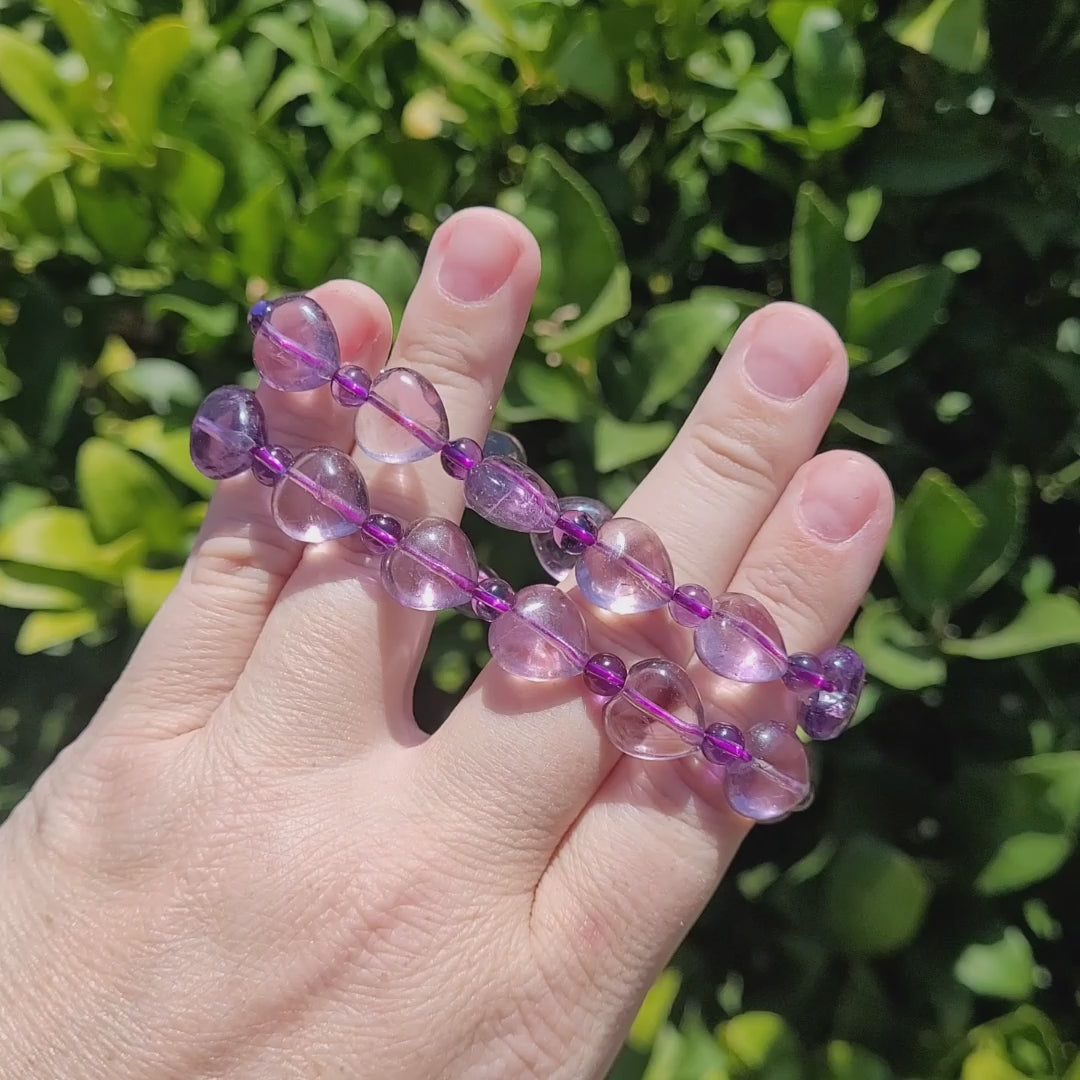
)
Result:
{"points": [[912, 174]]}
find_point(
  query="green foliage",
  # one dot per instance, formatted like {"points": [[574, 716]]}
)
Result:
{"points": [[910, 170]]}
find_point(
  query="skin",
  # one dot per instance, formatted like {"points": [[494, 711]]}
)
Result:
{"points": [[253, 864]]}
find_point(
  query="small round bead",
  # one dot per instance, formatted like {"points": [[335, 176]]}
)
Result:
{"points": [[574, 532], [828, 714], [380, 533], [804, 673], [843, 667], [257, 314], [690, 605], [460, 457], [712, 745], [269, 464], [491, 598], [605, 674], [503, 444], [350, 386]]}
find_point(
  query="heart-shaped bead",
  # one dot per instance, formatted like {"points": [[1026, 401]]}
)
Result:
{"points": [[321, 497], [509, 494], [741, 641], [557, 562], [627, 570], [542, 637], [296, 346], [658, 715], [227, 427], [433, 568], [403, 419], [777, 780]]}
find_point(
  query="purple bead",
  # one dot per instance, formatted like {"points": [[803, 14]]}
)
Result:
{"points": [[511, 496], [270, 464], [690, 605], [717, 742], [627, 570], [296, 346], [827, 714], [404, 419], [227, 428], [322, 497], [350, 386], [776, 782], [555, 561], [542, 637], [658, 715], [257, 315], [803, 674], [491, 598], [381, 533], [574, 532], [460, 457], [433, 568], [503, 444], [843, 667], [605, 674], [741, 641]]}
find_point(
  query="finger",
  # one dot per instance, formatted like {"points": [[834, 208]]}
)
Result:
{"points": [[195, 649], [648, 851], [761, 416], [359, 649]]}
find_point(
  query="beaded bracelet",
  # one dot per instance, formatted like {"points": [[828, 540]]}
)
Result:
{"points": [[651, 711], [621, 564]]}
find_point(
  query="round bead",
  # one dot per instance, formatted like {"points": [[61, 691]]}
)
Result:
{"points": [[542, 637], [843, 667], [776, 781], [556, 562], [322, 497], [270, 464], [511, 495], [503, 444], [350, 386], [296, 346], [404, 419], [381, 533], [827, 713], [605, 674], [574, 532], [491, 598], [741, 641], [658, 715], [257, 314], [713, 744], [627, 570], [803, 674], [690, 605], [460, 457], [433, 568], [227, 428]]}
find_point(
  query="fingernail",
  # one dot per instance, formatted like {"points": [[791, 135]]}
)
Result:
{"points": [[786, 354], [838, 499], [481, 252]]}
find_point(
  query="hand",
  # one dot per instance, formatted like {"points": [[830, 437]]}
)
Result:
{"points": [[253, 864]]}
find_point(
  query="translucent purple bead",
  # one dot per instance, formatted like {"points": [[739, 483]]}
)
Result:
{"points": [[381, 533], [555, 561], [658, 715], [503, 444], [404, 419], [322, 497], [227, 428], [574, 532], [627, 570], [491, 598], [741, 641], [542, 637], [460, 457], [843, 667], [511, 495], [270, 464], [690, 605], [350, 386], [804, 673], [433, 568], [717, 742], [257, 314], [828, 713], [605, 674], [296, 346], [776, 782]]}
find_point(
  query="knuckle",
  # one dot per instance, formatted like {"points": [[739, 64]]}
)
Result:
{"points": [[447, 354], [731, 454], [242, 566]]}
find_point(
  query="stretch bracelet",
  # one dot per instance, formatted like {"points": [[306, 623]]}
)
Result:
{"points": [[621, 564], [651, 710]]}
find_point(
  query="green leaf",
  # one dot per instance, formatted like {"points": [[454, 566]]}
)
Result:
{"points": [[1001, 497], [987, 1063], [862, 210], [258, 224], [877, 897], [585, 66], [759, 105], [821, 261], [48, 629], [154, 55], [207, 325], [36, 588], [118, 220], [1044, 622], [162, 384], [194, 184], [556, 391], [1004, 969], [894, 651], [654, 1011], [90, 30], [166, 446], [676, 340], [389, 267], [952, 31], [1023, 859], [892, 317], [28, 76], [760, 1041], [828, 65], [145, 590], [617, 443], [843, 1061]]}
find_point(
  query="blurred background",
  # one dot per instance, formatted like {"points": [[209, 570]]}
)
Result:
{"points": [[913, 172]]}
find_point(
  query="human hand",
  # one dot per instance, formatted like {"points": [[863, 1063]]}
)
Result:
{"points": [[253, 864]]}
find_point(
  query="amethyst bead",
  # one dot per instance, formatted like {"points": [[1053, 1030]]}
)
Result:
{"points": [[257, 314], [804, 673], [270, 464], [574, 532], [717, 743], [296, 346], [843, 667], [381, 533], [658, 715], [542, 637], [555, 561], [491, 598], [827, 713], [605, 674], [741, 641], [776, 782], [511, 495], [404, 419], [322, 497], [627, 570], [691, 605], [460, 457], [433, 568], [350, 386], [227, 428], [503, 444]]}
